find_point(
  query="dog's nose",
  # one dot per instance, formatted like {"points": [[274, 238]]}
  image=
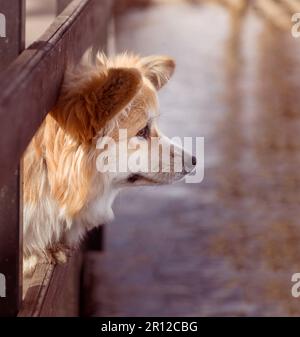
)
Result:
{"points": [[194, 160]]}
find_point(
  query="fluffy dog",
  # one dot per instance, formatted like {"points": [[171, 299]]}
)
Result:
{"points": [[64, 193]]}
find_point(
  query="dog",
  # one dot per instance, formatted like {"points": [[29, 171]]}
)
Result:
{"points": [[65, 195]]}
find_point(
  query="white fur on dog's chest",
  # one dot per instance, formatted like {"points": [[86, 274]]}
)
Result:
{"points": [[97, 212]]}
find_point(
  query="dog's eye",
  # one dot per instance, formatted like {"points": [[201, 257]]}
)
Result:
{"points": [[144, 133]]}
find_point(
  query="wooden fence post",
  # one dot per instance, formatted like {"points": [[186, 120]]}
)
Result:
{"points": [[12, 42], [11, 246]]}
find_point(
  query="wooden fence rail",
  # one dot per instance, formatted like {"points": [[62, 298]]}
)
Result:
{"points": [[29, 88]]}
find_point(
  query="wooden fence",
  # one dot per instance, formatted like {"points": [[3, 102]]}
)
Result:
{"points": [[30, 81]]}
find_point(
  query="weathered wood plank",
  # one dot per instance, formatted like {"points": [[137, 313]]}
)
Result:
{"points": [[10, 203], [29, 87], [35, 289], [11, 245], [53, 291]]}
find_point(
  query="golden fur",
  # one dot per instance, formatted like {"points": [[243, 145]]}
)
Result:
{"points": [[64, 195]]}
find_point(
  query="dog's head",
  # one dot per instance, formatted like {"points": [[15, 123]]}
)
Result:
{"points": [[112, 109]]}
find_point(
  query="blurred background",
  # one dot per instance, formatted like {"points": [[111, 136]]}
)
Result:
{"points": [[227, 246]]}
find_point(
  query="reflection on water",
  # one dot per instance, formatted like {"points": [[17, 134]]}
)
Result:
{"points": [[229, 245]]}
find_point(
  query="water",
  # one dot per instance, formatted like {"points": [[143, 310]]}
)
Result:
{"points": [[229, 245]]}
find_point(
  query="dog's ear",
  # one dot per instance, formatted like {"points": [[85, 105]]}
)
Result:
{"points": [[85, 109], [158, 69]]}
